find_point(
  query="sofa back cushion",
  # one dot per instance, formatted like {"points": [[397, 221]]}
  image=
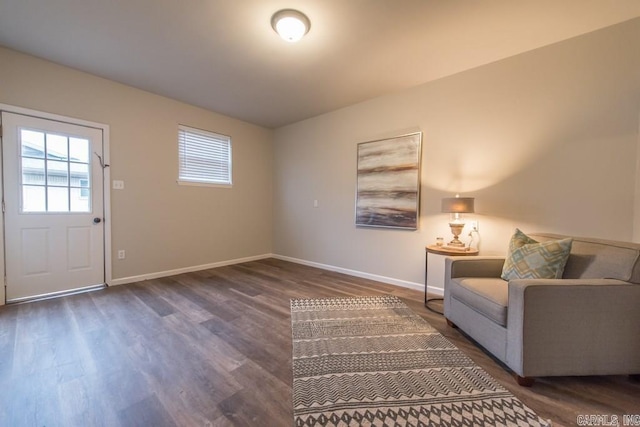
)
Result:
{"points": [[599, 259]]}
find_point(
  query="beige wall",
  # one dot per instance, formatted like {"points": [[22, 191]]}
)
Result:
{"points": [[636, 207], [545, 141], [162, 226]]}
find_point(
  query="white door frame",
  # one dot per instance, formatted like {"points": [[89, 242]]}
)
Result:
{"points": [[106, 185]]}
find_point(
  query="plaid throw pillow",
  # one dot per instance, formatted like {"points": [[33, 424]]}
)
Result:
{"points": [[530, 259]]}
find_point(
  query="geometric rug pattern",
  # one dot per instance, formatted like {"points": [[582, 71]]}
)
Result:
{"points": [[371, 361]]}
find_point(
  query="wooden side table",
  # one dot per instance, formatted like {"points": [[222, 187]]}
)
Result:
{"points": [[444, 251]]}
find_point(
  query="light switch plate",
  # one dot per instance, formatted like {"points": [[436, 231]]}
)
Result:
{"points": [[118, 185]]}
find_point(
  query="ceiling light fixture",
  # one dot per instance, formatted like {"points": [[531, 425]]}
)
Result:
{"points": [[290, 24]]}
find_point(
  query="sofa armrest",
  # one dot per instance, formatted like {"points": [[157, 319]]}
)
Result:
{"points": [[464, 266], [573, 327]]}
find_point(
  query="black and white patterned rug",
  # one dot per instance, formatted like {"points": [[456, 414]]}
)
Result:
{"points": [[371, 361]]}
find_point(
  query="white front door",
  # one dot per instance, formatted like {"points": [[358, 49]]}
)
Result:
{"points": [[53, 194]]}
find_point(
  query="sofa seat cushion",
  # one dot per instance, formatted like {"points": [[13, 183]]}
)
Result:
{"points": [[487, 295]]}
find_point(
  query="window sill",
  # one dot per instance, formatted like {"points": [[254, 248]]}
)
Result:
{"points": [[203, 184]]}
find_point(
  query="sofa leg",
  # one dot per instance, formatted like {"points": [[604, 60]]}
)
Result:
{"points": [[450, 323], [524, 381]]}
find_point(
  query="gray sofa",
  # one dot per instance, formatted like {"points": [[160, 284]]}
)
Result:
{"points": [[587, 323]]}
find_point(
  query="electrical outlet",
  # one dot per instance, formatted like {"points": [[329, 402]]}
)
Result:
{"points": [[121, 254], [474, 225], [118, 184]]}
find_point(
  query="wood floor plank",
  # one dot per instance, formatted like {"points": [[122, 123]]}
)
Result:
{"points": [[82, 405], [147, 412], [151, 299], [255, 346], [263, 398], [164, 288], [8, 340], [86, 315], [212, 348], [217, 351], [203, 295]]}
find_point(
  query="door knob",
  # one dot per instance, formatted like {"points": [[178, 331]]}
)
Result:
{"points": [[96, 220]]}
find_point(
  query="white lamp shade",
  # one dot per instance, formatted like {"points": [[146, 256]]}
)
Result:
{"points": [[290, 24]]}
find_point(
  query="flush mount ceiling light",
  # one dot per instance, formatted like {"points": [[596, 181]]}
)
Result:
{"points": [[290, 24]]}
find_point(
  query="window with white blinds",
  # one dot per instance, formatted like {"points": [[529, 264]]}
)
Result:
{"points": [[205, 157]]}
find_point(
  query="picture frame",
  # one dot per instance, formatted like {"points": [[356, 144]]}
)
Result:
{"points": [[388, 182]]}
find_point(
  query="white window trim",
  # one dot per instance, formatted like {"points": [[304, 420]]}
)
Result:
{"points": [[204, 183]]}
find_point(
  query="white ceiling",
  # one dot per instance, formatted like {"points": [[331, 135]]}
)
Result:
{"points": [[224, 56]]}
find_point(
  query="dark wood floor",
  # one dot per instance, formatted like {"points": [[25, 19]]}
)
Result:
{"points": [[210, 348]]}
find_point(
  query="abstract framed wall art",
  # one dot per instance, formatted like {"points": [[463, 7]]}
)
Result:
{"points": [[388, 183]]}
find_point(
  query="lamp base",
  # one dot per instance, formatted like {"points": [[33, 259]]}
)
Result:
{"points": [[456, 230], [456, 243]]}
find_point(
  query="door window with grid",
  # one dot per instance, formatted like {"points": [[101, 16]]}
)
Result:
{"points": [[55, 172]]}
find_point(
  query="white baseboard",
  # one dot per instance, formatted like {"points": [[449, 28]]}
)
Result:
{"points": [[356, 273], [149, 276], [435, 291]]}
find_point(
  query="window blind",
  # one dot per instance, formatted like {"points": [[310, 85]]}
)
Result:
{"points": [[205, 157]]}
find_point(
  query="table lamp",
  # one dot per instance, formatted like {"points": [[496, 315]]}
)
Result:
{"points": [[457, 206]]}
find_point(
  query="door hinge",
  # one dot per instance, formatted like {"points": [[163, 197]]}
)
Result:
{"points": [[3, 206]]}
